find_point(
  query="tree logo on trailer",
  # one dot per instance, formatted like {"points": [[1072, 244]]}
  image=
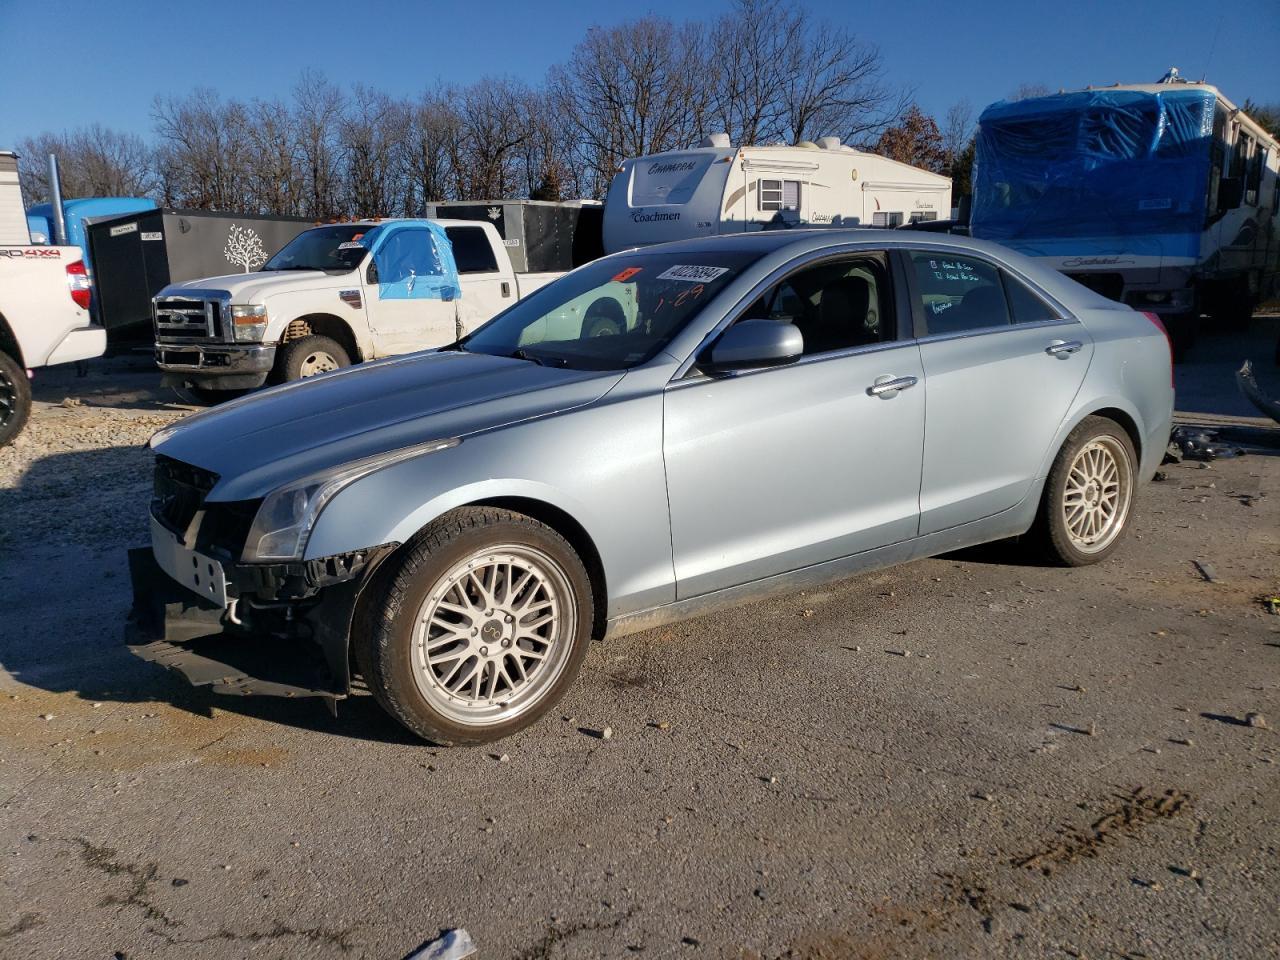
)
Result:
{"points": [[244, 248]]}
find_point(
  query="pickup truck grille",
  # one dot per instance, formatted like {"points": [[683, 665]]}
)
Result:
{"points": [[186, 321], [179, 493]]}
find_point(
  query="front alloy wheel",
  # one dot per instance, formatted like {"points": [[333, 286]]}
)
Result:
{"points": [[478, 629], [495, 631]]}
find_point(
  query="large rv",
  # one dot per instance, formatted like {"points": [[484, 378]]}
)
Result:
{"points": [[1162, 196], [717, 188]]}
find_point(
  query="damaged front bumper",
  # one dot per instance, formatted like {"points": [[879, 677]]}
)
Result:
{"points": [[283, 630]]}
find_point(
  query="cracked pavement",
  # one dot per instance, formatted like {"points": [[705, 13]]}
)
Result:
{"points": [[969, 755]]}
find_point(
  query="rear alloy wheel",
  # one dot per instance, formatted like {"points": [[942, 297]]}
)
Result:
{"points": [[15, 398], [1089, 493], [481, 630], [310, 356]]}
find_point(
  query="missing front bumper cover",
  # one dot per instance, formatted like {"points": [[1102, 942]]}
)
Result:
{"points": [[177, 629]]}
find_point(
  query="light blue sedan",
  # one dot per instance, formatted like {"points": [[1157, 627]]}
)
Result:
{"points": [[778, 410]]}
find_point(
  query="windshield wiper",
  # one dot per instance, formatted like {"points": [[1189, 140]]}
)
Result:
{"points": [[520, 353]]}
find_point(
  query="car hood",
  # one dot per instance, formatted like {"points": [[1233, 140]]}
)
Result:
{"points": [[262, 441], [254, 287]]}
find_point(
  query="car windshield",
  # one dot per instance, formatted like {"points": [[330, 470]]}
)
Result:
{"points": [[610, 315], [333, 248]]}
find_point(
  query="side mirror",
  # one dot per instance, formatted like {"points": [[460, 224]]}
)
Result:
{"points": [[1230, 192], [752, 344], [371, 275]]}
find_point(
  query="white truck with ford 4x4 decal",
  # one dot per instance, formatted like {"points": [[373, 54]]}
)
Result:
{"points": [[342, 293], [44, 306]]}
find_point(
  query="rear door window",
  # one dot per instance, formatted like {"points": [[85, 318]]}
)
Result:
{"points": [[472, 250], [959, 293]]}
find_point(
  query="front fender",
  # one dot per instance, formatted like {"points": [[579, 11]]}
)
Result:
{"points": [[601, 465]]}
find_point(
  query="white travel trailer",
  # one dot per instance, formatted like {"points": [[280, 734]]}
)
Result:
{"points": [[717, 188]]}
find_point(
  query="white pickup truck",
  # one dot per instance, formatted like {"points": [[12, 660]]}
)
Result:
{"points": [[44, 319], [342, 293]]}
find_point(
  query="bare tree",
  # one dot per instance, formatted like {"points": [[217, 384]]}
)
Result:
{"points": [[273, 176], [94, 161], [493, 125], [836, 85], [1026, 91], [202, 158], [629, 90], [370, 135], [318, 108], [432, 128], [957, 127]]}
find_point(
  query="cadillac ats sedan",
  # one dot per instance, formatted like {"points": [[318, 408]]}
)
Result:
{"points": [[726, 419]]}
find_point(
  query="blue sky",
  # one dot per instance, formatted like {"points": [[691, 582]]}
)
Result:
{"points": [[69, 63]]}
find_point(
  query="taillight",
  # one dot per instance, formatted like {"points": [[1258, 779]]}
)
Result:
{"points": [[1155, 318], [79, 283]]}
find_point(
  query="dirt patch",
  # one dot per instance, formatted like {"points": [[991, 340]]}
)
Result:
{"points": [[1134, 810]]}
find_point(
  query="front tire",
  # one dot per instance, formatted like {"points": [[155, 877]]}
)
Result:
{"points": [[480, 629], [15, 398], [310, 356], [1088, 496]]}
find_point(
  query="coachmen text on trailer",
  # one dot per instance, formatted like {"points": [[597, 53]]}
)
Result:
{"points": [[1161, 195], [717, 188]]}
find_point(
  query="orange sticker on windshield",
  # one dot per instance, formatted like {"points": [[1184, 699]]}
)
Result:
{"points": [[625, 275]]}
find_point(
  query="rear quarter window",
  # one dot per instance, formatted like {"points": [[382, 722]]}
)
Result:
{"points": [[1025, 304], [472, 251]]}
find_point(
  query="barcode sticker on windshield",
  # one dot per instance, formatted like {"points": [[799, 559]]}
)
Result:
{"points": [[693, 273], [350, 245]]}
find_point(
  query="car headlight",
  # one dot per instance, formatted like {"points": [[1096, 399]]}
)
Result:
{"points": [[249, 322], [287, 515]]}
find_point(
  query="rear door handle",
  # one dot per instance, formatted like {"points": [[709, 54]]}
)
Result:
{"points": [[886, 388], [1063, 348]]}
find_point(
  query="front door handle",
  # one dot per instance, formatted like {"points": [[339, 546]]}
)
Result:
{"points": [[888, 387], [1063, 348]]}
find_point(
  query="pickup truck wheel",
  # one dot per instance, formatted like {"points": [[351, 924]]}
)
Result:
{"points": [[206, 397], [308, 356], [480, 630], [15, 398], [1088, 495]]}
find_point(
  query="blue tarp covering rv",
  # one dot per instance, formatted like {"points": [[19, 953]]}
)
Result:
{"points": [[1096, 163]]}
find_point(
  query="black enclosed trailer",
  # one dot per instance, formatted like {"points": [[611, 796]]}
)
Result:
{"points": [[135, 255], [541, 236]]}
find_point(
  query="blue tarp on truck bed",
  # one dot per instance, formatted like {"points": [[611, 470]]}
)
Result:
{"points": [[1095, 163]]}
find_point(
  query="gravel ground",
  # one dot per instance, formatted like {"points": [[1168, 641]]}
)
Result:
{"points": [[967, 756]]}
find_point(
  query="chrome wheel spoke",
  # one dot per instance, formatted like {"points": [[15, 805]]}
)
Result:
{"points": [[1095, 495], [494, 633]]}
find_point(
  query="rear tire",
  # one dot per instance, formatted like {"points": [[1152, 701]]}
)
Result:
{"points": [[15, 398], [311, 355], [479, 630], [1088, 496]]}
